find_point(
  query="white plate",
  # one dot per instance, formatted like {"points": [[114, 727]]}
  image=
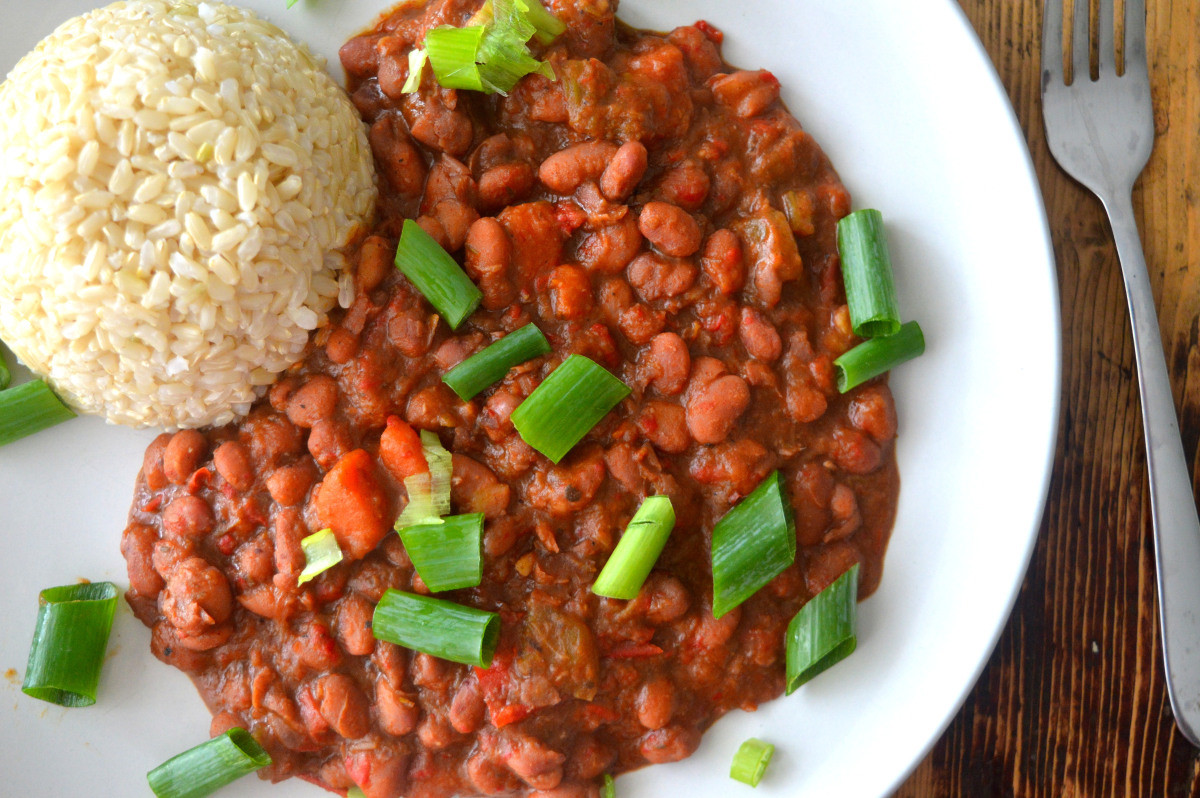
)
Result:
{"points": [[905, 102]]}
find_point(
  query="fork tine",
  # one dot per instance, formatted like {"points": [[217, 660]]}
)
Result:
{"points": [[1107, 38], [1081, 42], [1052, 44], [1135, 34]]}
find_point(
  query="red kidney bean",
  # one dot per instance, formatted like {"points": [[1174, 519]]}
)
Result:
{"points": [[747, 93], [610, 248], [713, 407], [759, 336], [489, 777], [342, 705], [188, 517], [665, 425], [811, 491], [289, 531], [665, 363], [657, 277], [289, 485], [196, 597], [432, 121], [400, 162], [685, 185], [873, 411], [467, 709], [566, 169], [655, 703], [533, 762], [670, 228], [314, 401], [722, 262], [137, 546], [504, 185], [843, 505], [475, 489], [624, 171], [328, 441], [256, 559], [152, 462], [353, 625], [701, 54], [668, 598], [183, 454], [398, 713], [855, 452], [233, 463]]}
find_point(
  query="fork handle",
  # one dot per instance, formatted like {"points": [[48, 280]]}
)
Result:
{"points": [[1172, 504]]}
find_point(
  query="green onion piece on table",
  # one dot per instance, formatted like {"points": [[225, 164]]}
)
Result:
{"points": [[822, 633], [439, 628], [321, 552], [28, 408], [435, 274], [490, 365], [447, 555], [878, 355], [567, 405], [637, 550], [750, 761], [417, 58], [69, 643], [209, 766], [5, 376], [752, 544], [867, 272], [609, 788], [452, 54]]}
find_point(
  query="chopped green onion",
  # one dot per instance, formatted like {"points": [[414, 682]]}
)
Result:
{"points": [[452, 54], [417, 58], [822, 633], [750, 761], [321, 553], [867, 271], [637, 550], [752, 544], [436, 627], [435, 274], [28, 408], [209, 766], [355, 792], [5, 376], [447, 554], [874, 357], [567, 405], [503, 56], [548, 26], [429, 491], [609, 788], [490, 365], [69, 642], [291, 3], [420, 509]]}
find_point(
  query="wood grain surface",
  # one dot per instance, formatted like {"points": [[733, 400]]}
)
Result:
{"points": [[1072, 703]]}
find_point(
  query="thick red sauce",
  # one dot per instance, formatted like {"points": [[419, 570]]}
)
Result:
{"points": [[653, 209]]}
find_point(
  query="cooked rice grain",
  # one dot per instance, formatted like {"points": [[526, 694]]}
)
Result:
{"points": [[175, 182]]}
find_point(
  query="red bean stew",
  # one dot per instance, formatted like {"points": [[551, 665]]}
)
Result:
{"points": [[652, 209]]}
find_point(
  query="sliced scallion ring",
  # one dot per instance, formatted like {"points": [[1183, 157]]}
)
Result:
{"points": [[447, 555], [321, 552], [441, 466], [548, 26], [439, 628], [752, 544], [489, 365], [878, 355], [452, 54], [69, 642], [824, 631], [750, 761], [434, 273], [28, 408], [567, 405], [208, 767], [417, 58], [609, 788], [867, 272], [637, 550]]}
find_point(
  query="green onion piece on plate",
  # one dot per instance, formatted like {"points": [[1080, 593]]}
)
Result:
{"points": [[447, 555], [567, 405], [417, 59], [823, 632], [750, 761], [69, 642], [434, 273], [321, 552], [867, 272], [28, 408], [452, 54], [752, 544], [489, 365], [637, 550], [209, 766], [439, 628], [609, 788], [878, 355]]}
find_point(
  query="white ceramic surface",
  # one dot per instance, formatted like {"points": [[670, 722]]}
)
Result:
{"points": [[904, 100]]}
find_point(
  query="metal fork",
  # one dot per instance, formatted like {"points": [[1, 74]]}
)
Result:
{"points": [[1101, 132]]}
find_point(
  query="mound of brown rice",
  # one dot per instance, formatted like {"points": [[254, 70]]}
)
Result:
{"points": [[175, 181]]}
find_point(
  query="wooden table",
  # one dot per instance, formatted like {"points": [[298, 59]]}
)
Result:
{"points": [[1072, 703]]}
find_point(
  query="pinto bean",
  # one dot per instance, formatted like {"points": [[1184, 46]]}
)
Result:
{"points": [[668, 598], [624, 171], [399, 161], [328, 441], [398, 714], [467, 709], [665, 425], [670, 228], [670, 744], [183, 455], [188, 517], [488, 257], [565, 170], [747, 93], [568, 789], [610, 248], [353, 625], [843, 506], [314, 401], [475, 489], [378, 771], [722, 262], [570, 292], [152, 462], [855, 452], [434, 121], [289, 485], [759, 336], [456, 218], [713, 408], [713, 633], [137, 546], [196, 598], [376, 260], [655, 703], [665, 364], [233, 463], [656, 277], [256, 559], [685, 185], [489, 777], [504, 185], [533, 762], [342, 705], [873, 411]]}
